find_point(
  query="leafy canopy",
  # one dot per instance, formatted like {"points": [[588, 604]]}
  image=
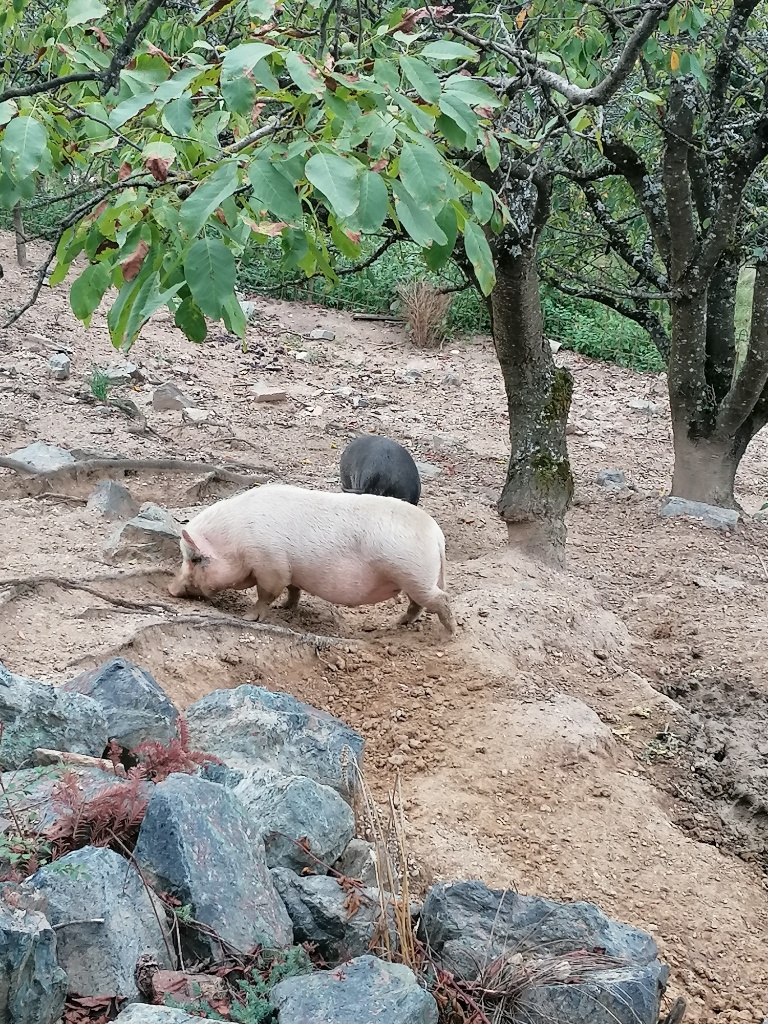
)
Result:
{"points": [[191, 131]]}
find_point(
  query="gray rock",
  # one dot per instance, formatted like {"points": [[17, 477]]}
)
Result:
{"points": [[137, 709], [555, 346], [105, 920], [710, 515], [358, 861], [113, 500], [32, 985], [153, 533], [452, 380], [265, 393], [643, 405], [248, 308], [122, 373], [367, 989], [251, 727], [409, 375], [168, 398], [196, 842], [42, 457], [322, 334], [296, 808], [196, 416], [35, 714], [468, 925], [221, 774], [427, 471], [139, 1014], [59, 366], [316, 905], [612, 479]]}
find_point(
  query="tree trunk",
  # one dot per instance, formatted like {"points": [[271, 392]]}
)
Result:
{"points": [[539, 484], [21, 241], [705, 467]]}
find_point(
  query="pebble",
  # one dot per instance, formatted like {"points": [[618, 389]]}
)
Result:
{"points": [[59, 366]]}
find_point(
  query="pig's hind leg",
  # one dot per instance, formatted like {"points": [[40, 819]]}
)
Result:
{"points": [[294, 595], [437, 602]]}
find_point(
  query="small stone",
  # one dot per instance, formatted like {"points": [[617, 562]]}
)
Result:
{"points": [[196, 843], [264, 393], [452, 379], [643, 405], [42, 457], [136, 707], [113, 500], [59, 366], [358, 861], [710, 515], [427, 471], [248, 308], [105, 920], [252, 727], [322, 334], [32, 985], [123, 373], [152, 533], [196, 416], [303, 824], [318, 908], [612, 479], [365, 989], [554, 346], [169, 398], [39, 715], [137, 1013]]}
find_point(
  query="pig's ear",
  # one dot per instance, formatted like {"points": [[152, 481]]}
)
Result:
{"points": [[189, 540]]}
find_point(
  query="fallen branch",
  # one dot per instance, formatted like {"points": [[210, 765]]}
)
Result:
{"points": [[378, 316], [43, 757]]}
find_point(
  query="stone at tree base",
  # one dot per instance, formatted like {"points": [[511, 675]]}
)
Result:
{"points": [[364, 990], [42, 457], [196, 843], [358, 861], [297, 808], [136, 706], [36, 714], [139, 1014], [612, 479], [710, 515], [105, 920], [32, 985], [252, 727], [467, 925], [321, 334], [113, 500], [153, 532], [316, 906]]}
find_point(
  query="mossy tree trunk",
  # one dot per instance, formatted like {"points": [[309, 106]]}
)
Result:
{"points": [[539, 485]]}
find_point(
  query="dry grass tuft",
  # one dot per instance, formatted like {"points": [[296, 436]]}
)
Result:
{"points": [[425, 308]]}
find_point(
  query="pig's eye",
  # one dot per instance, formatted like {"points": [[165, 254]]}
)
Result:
{"points": [[196, 558]]}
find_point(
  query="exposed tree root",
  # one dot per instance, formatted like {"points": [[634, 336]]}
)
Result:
{"points": [[33, 582]]}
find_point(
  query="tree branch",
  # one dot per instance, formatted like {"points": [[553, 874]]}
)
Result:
{"points": [[632, 168], [721, 73], [50, 85], [123, 53], [678, 127]]}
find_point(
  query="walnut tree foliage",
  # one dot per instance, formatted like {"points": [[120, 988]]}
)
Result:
{"points": [[190, 130]]}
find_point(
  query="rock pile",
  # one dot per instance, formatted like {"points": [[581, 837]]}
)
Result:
{"points": [[205, 866]]}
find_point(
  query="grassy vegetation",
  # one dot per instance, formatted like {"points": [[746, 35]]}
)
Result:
{"points": [[579, 324]]}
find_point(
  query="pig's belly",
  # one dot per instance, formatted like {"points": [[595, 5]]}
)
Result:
{"points": [[348, 584]]}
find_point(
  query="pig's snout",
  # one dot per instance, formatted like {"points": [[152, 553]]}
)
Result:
{"points": [[177, 588]]}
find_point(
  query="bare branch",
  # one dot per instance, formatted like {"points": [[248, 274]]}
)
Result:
{"points": [[123, 53], [50, 85], [632, 168], [721, 73]]}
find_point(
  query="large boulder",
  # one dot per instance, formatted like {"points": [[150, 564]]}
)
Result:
{"points": [[251, 727], [36, 714], [467, 926], [322, 913], [196, 843], [105, 919], [32, 985], [302, 823], [136, 706], [365, 989]]}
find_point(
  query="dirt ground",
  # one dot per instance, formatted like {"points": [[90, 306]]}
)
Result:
{"points": [[598, 734]]}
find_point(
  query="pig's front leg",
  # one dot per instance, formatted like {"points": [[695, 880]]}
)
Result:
{"points": [[294, 596], [269, 585]]}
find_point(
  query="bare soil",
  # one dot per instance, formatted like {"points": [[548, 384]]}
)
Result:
{"points": [[597, 734]]}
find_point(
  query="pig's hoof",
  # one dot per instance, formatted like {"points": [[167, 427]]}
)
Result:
{"points": [[257, 615]]}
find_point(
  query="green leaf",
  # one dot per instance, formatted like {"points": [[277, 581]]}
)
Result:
{"points": [[418, 222], [338, 181], [422, 78], [382, 136], [472, 91], [303, 74], [190, 320], [479, 254], [211, 274], [8, 109], [460, 113], [81, 11], [272, 188], [196, 210], [424, 175], [23, 147], [130, 108], [372, 210], [233, 315], [436, 256], [261, 10], [237, 86], [492, 151], [148, 300], [89, 289], [651, 97], [483, 204], [447, 50], [177, 117]]}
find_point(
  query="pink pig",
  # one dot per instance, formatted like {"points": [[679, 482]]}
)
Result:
{"points": [[349, 549]]}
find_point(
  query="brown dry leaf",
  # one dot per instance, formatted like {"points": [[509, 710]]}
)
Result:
{"points": [[132, 265], [100, 35], [520, 19], [155, 51], [352, 903], [674, 60], [220, 216], [124, 172], [158, 167]]}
